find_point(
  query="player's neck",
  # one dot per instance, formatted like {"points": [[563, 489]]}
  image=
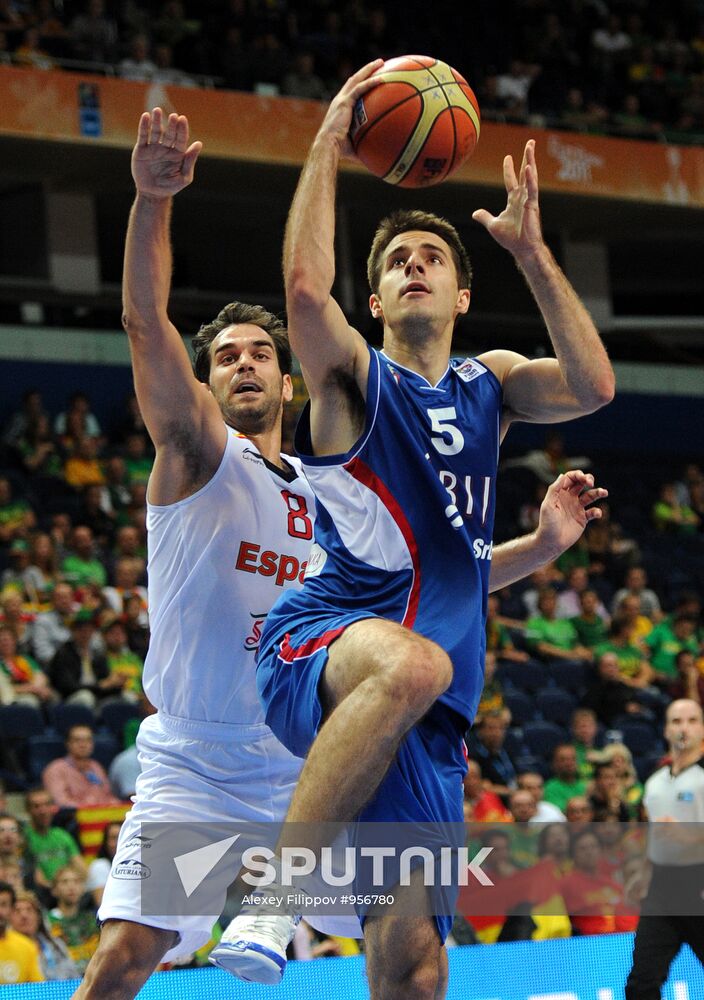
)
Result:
{"points": [[427, 355], [268, 444]]}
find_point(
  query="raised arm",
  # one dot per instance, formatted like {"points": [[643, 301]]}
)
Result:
{"points": [[331, 352], [580, 378], [564, 514], [181, 416]]}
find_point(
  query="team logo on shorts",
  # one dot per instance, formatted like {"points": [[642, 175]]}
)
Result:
{"points": [[131, 869]]}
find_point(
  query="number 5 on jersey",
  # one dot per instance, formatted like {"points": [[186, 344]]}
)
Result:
{"points": [[447, 438]]}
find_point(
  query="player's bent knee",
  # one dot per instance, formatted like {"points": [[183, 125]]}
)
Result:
{"points": [[422, 672]]}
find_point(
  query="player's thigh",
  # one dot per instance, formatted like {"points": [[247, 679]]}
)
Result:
{"points": [[382, 648]]}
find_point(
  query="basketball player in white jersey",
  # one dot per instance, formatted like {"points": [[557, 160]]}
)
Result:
{"points": [[230, 525], [229, 522]]}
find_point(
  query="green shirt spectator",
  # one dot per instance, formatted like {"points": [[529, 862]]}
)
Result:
{"points": [[672, 516], [590, 627], [667, 640], [82, 566], [53, 848], [565, 783], [551, 636]]}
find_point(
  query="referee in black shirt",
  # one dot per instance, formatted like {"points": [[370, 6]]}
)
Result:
{"points": [[672, 913]]}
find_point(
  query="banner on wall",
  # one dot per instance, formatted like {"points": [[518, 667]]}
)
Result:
{"points": [[80, 108]]}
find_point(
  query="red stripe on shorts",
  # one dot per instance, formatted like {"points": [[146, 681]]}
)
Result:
{"points": [[288, 652]]}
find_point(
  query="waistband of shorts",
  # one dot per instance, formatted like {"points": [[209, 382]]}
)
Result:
{"points": [[214, 732]]}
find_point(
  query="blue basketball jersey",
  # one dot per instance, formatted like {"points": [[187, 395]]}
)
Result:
{"points": [[404, 520]]}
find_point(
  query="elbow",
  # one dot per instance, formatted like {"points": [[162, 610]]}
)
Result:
{"points": [[304, 292], [601, 393]]}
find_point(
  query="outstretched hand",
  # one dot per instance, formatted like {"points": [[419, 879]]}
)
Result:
{"points": [[518, 228], [162, 160], [338, 120], [566, 510]]}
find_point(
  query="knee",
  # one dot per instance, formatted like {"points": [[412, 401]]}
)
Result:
{"points": [[419, 983], [419, 673]]}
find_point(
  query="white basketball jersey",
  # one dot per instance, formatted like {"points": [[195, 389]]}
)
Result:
{"points": [[217, 562]]}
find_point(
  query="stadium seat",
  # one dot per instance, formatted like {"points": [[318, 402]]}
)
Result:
{"points": [[569, 675], [640, 737], [105, 748], [556, 705], [18, 722], [521, 706], [541, 737], [64, 716], [115, 715], [530, 676], [41, 750]]}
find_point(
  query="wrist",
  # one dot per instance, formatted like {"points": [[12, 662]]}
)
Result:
{"points": [[536, 262], [543, 547], [148, 198]]}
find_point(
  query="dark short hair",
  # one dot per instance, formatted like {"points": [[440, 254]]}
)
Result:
{"points": [[6, 888], [237, 314], [405, 220]]}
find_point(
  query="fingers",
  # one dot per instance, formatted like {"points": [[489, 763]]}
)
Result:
{"points": [[143, 129], [483, 217], [591, 496], [592, 513], [189, 160], [510, 180], [365, 72]]}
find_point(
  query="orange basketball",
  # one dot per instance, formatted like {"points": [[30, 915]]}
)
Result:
{"points": [[418, 125]]}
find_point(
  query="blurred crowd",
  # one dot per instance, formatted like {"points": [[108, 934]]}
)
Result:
{"points": [[625, 67]]}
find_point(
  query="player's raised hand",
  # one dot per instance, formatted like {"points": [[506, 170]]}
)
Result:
{"points": [[338, 119], [162, 160], [567, 509], [518, 228]]}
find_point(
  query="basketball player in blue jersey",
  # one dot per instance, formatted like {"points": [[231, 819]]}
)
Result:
{"points": [[401, 449]]}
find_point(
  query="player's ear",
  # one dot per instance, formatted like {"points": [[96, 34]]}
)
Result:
{"points": [[463, 297], [375, 306], [287, 389]]}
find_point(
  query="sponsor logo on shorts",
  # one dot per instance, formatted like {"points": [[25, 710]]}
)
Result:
{"points": [[131, 869], [139, 841]]}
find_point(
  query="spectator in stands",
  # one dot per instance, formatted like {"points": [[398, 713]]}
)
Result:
{"points": [[569, 600], [21, 622], [30, 685], [14, 854], [584, 729], [30, 52], [553, 638], [691, 477], [611, 46], [672, 517], [137, 66], [99, 868], [606, 795], [93, 34], [636, 582], [554, 843], [77, 671], [32, 405], [581, 115], [52, 628], [524, 836], [632, 664], [481, 805], [52, 847], [82, 565], [302, 81], [94, 516], [639, 626], [565, 782], [666, 640], [82, 467], [690, 680], [594, 901], [492, 698], [136, 624], [486, 746], [610, 553], [631, 790], [53, 33], [138, 460], [77, 420], [591, 628], [76, 780], [19, 957], [13, 578], [122, 662], [548, 462], [629, 120], [610, 693], [115, 494], [545, 812], [128, 571], [42, 574], [498, 639], [39, 454], [16, 516], [165, 71], [60, 527], [28, 918], [512, 90], [72, 922]]}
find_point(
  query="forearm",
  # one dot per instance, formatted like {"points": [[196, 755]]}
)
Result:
{"points": [[148, 263], [518, 558], [309, 243], [584, 363]]}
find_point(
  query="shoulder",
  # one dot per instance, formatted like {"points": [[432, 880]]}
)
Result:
{"points": [[500, 362]]}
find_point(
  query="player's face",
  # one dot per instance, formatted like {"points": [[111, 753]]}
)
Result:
{"points": [[246, 380], [418, 283], [684, 726]]}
